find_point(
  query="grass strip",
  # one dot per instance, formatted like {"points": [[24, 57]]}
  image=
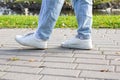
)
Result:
{"points": [[22, 21]]}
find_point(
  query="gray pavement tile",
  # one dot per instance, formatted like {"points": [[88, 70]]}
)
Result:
{"points": [[92, 61], [58, 59], [87, 52], [118, 68], [60, 72], [89, 56], [4, 67], [58, 55], [30, 63], [94, 67], [101, 75], [27, 70], [19, 76], [60, 78], [2, 74], [59, 65], [4, 62]]}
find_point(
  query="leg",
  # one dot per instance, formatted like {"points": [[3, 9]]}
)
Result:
{"points": [[83, 11], [47, 18], [49, 13]]}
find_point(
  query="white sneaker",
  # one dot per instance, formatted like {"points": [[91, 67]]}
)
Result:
{"points": [[77, 43], [30, 40]]}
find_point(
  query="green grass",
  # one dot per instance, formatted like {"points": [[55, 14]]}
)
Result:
{"points": [[21, 21], [18, 21], [106, 21]]}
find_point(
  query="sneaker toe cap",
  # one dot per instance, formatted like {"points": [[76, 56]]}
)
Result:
{"points": [[63, 44], [18, 38]]}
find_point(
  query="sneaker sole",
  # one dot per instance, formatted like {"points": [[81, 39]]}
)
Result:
{"points": [[76, 47]]}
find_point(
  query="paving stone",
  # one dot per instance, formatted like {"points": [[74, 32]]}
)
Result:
{"points": [[12, 45], [18, 63], [91, 61], [19, 76], [118, 43], [111, 57], [4, 67], [102, 75], [6, 57], [105, 43], [107, 46], [115, 62], [118, 69], [60, 65], [31, 52], [61, 72], [91, 56], [102, 30], [116, 53], [4, 62], [93, 79], [99, 36], [59, 54], [109, 49], [32, 64], [18, 69], [112, 36], [58, 59], [60, 78], [100, 79], [111, 31], [29, 58], [2, 74], [87, 52], [95, 67], [118, 31]]}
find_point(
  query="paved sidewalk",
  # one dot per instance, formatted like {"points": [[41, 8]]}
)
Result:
{"points": [[55, 63]]}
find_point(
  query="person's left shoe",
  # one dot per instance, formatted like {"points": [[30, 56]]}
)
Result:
{"points": [[77, 43], [31, 41]]}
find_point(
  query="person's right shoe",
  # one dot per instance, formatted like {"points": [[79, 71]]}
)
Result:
{"points": [[77, 43]]}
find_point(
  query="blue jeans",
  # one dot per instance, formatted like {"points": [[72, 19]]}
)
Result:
{"points": [[50, 11]]}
